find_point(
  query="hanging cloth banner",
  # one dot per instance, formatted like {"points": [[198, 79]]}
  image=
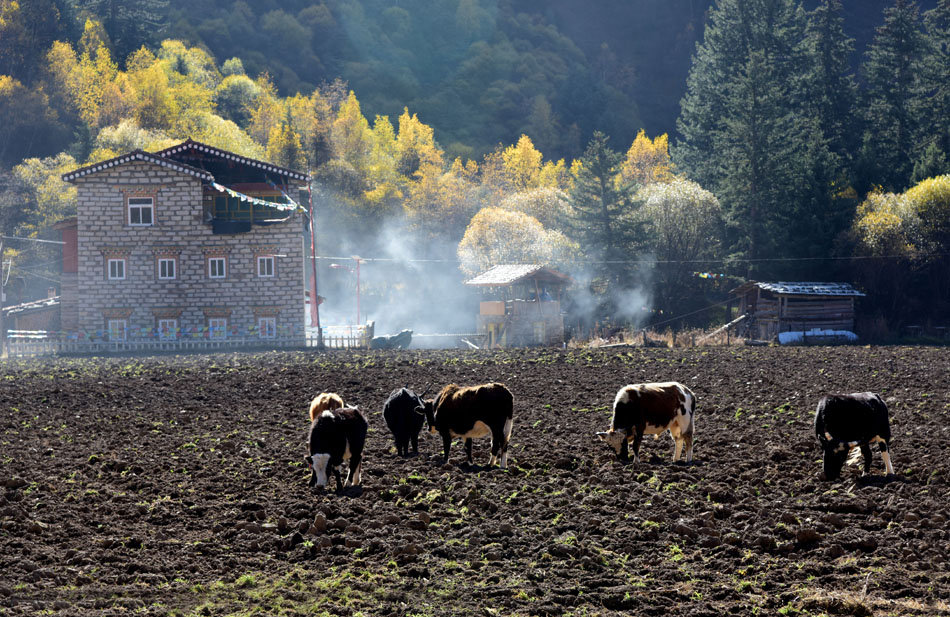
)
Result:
{"points": [[286, 196], [254, 200]]}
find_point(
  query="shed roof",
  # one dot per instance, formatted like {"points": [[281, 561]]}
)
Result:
{"points": [[509, 274], [32, 306], [801, 289]]}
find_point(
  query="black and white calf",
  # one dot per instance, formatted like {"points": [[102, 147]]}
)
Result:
{"points": [[476, 411], [336, 436], [650, 409], [847, 421], [403, 420]]}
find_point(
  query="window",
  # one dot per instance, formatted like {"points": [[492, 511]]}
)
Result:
{"points": [[217, 267], [140, 211], [218, 327], [117, 329], [167, 329], [116, 269], [265, 266], [267, 327], [166, 268]]}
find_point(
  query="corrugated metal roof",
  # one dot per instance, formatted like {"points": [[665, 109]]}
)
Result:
{"points": [[810, 289], [508, 274]]}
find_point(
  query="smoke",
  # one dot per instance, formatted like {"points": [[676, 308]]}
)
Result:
{"points": [[593, 302]]}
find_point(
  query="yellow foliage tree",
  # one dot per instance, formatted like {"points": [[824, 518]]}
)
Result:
{"points": [[522, 164], [648, 161], [930, 199], [284, 149], [548, 205], [496, 236], [352, 135], [415, 146]]}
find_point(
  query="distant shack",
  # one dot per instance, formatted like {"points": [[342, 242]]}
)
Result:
{"points": [[783, 307], [521, 305]]}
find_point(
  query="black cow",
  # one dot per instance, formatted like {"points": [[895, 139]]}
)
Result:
{"points": [[846, 421], [650, 409], [472, 412], [403, 420], [336, 436]]}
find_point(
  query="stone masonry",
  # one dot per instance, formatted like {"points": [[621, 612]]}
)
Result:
{"points": [[179, 231]]}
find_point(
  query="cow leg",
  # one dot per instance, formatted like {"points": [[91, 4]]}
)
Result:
{"points": [[415, 444], [354, 477], [313, 478], [505, 440], [339, 482], [446, 445], [887, 458], [637, 438], [866, 452], [678, 447], [688, 438], [468, 450]]}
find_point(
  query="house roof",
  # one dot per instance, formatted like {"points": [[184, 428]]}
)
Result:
{"points": [[801, 289], [166, 158], [508, 274], [31, 307], [137, 155], [200, 147]]}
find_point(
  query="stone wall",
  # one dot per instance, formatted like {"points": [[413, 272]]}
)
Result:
{"points": [[179, 231]]}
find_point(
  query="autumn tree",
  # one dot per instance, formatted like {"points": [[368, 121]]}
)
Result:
{"points": [[497, 236], [648, 161], [522, 165], [547, 205], [684, 227]]}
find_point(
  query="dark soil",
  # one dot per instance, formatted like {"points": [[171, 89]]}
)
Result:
{"points": [[176, 485]]}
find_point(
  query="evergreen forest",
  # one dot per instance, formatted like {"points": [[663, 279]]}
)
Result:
{"points": [[661, 153]]}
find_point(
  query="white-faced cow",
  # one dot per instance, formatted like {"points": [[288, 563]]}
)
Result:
{"points": [[650, 409], [847, 421], [324, 401], [472, 412], [336, 436], [403, 420]]}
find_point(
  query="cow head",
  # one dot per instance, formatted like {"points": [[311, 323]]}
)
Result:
{"points": [[834, 454], [427, 409], [614, 439], [318, 464]]}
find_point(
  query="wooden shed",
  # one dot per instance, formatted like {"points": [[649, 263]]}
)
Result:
{"points": [[521, 305], [785, 307]]}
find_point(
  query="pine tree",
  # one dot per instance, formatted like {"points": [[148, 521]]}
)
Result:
{"points": [[893, 70], [833, 92], [937, 79], [745, 132], [602, 211]]}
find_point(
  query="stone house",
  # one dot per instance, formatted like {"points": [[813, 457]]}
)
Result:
{"points": [[190, 242]]}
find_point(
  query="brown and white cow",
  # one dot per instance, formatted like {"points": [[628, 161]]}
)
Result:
{"points": [[324, 401], [650, 409], [476, 411]]}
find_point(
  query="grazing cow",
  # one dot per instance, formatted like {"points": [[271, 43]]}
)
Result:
{"points": [[403, 420], [336, 436], [472, 412], [846, 421], [324, 401], [649, 409]]}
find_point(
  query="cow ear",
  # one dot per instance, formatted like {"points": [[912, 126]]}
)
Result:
{"points": [[309, 462], [421, 411]]}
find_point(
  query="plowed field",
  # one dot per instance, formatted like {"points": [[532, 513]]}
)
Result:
{"points": [[176, 485]]}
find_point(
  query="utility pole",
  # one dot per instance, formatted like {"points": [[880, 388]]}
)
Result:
{"points": [[3, 331], [314, 298]]}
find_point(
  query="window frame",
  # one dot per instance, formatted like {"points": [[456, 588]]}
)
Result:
{"points": [[116, 331], [174, 268], [261, 271], [267, 327], [116, 260], [140, 208], [219, 331], [167, 329], [224, 267]]}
